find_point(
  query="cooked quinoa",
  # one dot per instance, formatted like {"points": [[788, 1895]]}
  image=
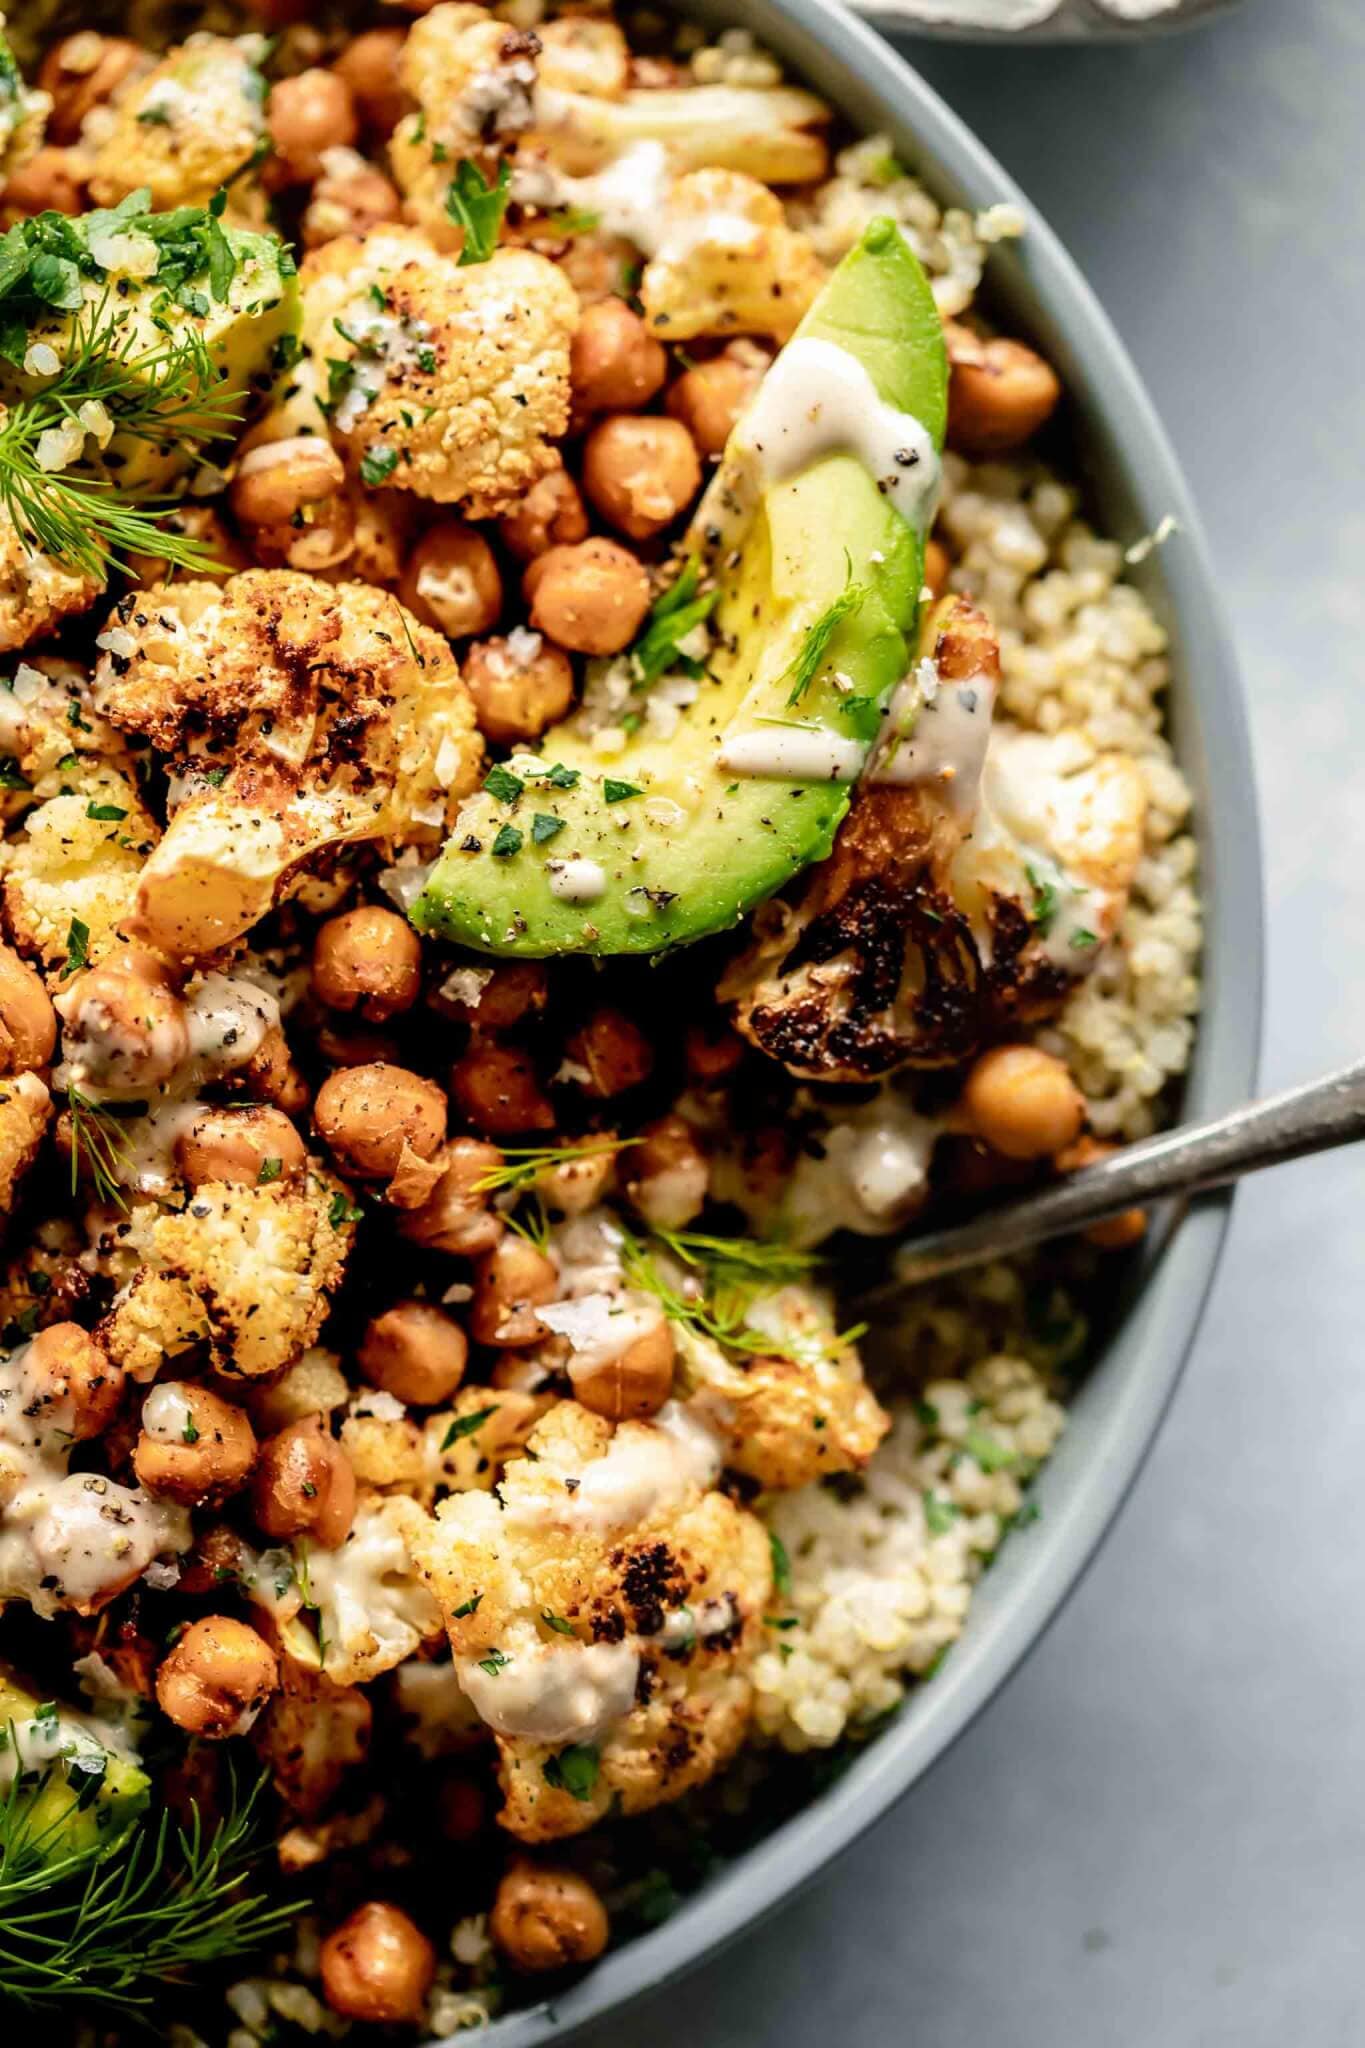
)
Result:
{"points": [[423, 1383]]}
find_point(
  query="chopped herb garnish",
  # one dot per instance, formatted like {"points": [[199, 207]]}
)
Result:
{"points": [[508, 841], [466, 1608], [815, 646], [560, 777], [940, 1514], [989, 1453], [544, 825], [190, 1432], [10, 777], [1082, 940], [77, 945], [106, 814], [343, 1210], [377, 463], [1044, 901], [503, 785], [782, 1564], [671, 618], [573, 1770], [477, 207], [466, 1425], [617, 792], [557, 1623], [270, 1169], [494, 1662], [523, 1164]]}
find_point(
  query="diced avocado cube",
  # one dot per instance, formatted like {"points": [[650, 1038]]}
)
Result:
{"points": [[677, 836], [73, 1792]]}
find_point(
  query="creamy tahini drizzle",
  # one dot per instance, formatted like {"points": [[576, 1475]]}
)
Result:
{"points": [[576, 881], [937, 734], [791, 754], [569, 1692]]}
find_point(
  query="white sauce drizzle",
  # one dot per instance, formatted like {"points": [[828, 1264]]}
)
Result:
{"points": [[38, 1741], [646, 1469], [937, 733], [167, 1417], [576, 881], [566, 1693], [791, 753]]}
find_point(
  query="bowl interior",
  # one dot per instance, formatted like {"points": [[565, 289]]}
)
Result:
{"points": [[1131, 481]]}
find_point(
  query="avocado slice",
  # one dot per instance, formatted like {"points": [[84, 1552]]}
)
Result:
{"points": [[237, 291], [676, 837], [72, 1792]]}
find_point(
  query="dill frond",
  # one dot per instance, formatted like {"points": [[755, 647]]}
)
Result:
{"points": [[99, 1142], [731, 1274], [167, 395], [109, 1924], [523, 1164], [815, 647]]}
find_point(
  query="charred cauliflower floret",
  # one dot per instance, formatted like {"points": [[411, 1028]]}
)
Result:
{"points": [[793, 1416], [312, 1733], [36, 590], [297, 716], [726, 262], [187, 128], [368, 1608], [774, 133], [448, 381], [248, 1272], [70, 876], [25, 1109], [472, 78], [976, 876], [451, 1451], [49, 731], [603, 1610]]}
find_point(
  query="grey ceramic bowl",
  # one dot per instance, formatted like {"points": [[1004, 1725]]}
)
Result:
{"points": [[1132, 480]]}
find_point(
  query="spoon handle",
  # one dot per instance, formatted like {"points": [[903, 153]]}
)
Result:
{"points": [[1185, 1161]]}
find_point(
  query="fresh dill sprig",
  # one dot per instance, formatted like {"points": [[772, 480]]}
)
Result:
{"points": [[110, 1923], [774, 1264], [98, 1141], [165, 395], [523, 1164], [732, 1273], [530, 1220], [815, 646]]}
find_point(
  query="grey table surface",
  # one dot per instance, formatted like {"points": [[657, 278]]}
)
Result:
{"points": [[1156, 1835]]}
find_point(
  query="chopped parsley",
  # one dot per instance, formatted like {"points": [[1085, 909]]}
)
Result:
{"points": [[560, 777], [1082, 941], [477, 207], [503, 785], [467, 1607], [190, 1432], [494, 1662], [465, 1425], [508, 841], [782, 1564], [544, 825], [378, 463], [77, 945], [940, 1514], [557, 1623], [106, 814], [989, 1453], [270, 1169], [343, 1210], [10, 777], [671, 618], [573, 1770], [617, 792], [1044, 901]]}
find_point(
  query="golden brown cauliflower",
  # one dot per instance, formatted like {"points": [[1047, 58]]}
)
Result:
{"points": [[368, 1608], [297, 716], [25, 1107], [446, 381], [76, 862], [184, 129], [311, 1734], [450, 1451], [795, 1416], [36, 590], [46, 718], [773, 133], [603, 1609], [726, 262], [472, 78], [247, 1271]]}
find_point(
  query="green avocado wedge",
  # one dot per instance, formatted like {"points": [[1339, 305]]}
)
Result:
{"points": [[677, 834], [64, 1791]]}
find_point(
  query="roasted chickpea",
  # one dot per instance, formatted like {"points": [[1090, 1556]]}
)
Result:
{"points": [[709, 398], [347, 200], [520, 683], [506, 993], [1023, 1102], [311, 112], [369, 66], [415, 1352], [462, 1809], [638, 1380], [591, 598], [1116, 1233], [496, 1090], [640, 472], [510, 1283], [368, 1115], [551, 514], [574, 1185], [544, 1918], [456, 1216], [377, 1966], [369, 960], [451, 580], [288, 496], [999, 392], [51, 181], [303, 1482], [271, 1072], [28, 1022], [76, 1385], [195, 1447], [667, 1174], [614, 361], [81, 72], [217, 1678], [613, 1052], [244, 1147], [711, 1051], [125, 1024]]}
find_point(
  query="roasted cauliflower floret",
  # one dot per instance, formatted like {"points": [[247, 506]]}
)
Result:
{"points": [[248, 1272], [472, 78], [25, 1108], [773, 133], [446, 381], [450, 1451], [606, 1603], [795, 1416], [185, 129], [726, 262], [36, 590], [298, 715], [312, 1733], [76, 863], [46, 719], [368, 1608]]}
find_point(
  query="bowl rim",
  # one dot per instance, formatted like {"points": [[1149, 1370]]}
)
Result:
{"points": [[1100, 1455]]}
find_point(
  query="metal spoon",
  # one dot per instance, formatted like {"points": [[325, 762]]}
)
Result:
{"points": [[1186, 1161]]}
